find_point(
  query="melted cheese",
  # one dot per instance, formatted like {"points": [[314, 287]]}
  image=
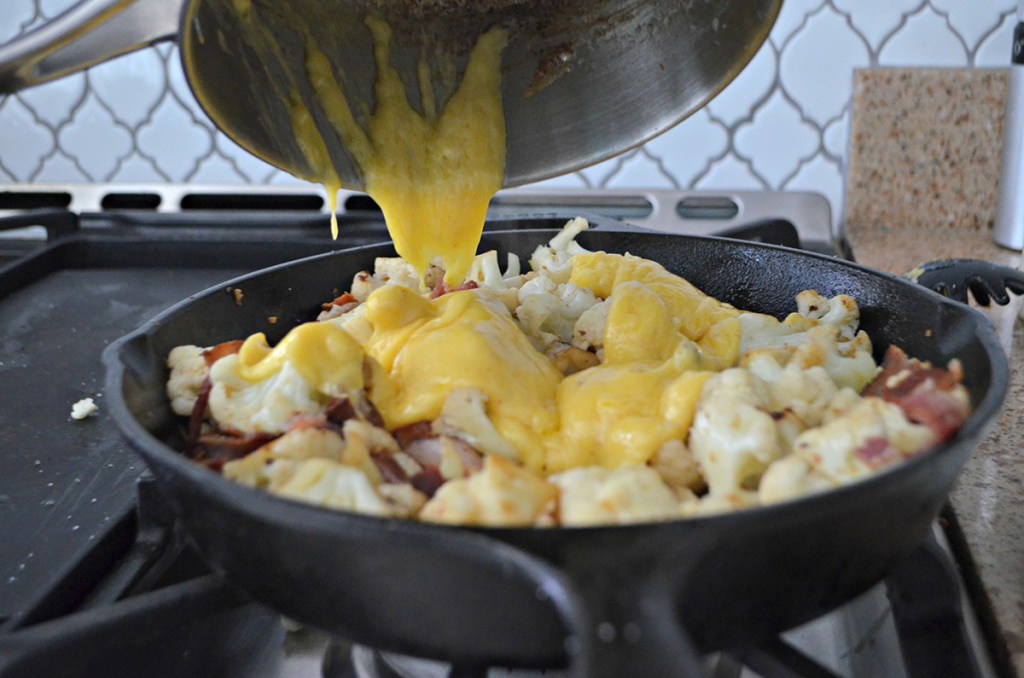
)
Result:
{"points": [[327, 357], [432, 173], [667, 303], [615, 414], [428, 348]]}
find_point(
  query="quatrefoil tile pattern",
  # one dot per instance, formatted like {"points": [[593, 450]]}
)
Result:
{"points": [[782, 124]]}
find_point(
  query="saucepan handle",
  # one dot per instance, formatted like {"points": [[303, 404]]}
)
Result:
{"points": [[89, 33]]}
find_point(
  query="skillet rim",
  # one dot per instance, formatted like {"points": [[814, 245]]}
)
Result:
{"points": [[982, 417]]}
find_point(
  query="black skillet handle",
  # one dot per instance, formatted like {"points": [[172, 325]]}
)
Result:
{"points": [[626, 625]]}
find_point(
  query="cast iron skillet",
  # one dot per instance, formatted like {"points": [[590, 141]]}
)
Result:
{"points": [[610, 601]]}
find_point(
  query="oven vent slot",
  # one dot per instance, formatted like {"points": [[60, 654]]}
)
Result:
{"points": [[709, 207], [130, 201], [295, 202], [28, 200], [362, 203]]}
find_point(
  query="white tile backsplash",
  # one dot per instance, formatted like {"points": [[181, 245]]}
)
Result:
{"points": [[782, 124]]}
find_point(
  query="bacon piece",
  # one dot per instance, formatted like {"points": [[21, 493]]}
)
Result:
{"points": [[425, 451], [877, 453], [390, 470], [411, 432], [340, 410], [195, 420], [371, 413], [470, 457], [925, 394], [213, 450], [306, 421], [346, 298], [419, 441], [336, 311], [212, 355], [428, 481], [939, 410], [441, 289], [900, 375]]}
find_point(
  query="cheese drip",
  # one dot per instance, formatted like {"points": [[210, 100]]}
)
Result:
{"points": [[433, 175], [307, 136]]}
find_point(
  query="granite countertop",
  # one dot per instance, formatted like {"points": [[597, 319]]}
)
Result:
{"points": [[921, 185]]}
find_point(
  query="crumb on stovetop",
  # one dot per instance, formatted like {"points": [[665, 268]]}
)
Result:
{"points": [[84, 409]]}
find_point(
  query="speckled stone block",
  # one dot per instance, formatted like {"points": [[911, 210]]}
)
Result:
{"points": [[922, 184], [924, 149]]}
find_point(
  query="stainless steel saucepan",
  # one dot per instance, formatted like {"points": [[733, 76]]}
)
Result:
{"points": [[581, 81]]}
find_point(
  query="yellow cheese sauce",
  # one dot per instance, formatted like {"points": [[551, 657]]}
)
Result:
{"points": [[327, 357], [432, 173], [428, 348], [618, 413]]}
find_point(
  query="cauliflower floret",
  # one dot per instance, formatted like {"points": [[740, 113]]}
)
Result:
{"points": [[554, 260], [732, 437], [83, 409], [841, 311], [711, 504], [464, 416], [188, 371], [405, 499], [266, 405], [351, 447], [869, 436], [789, 478], [588, 332], [677, 466], [595, 495], [804, 392], [326, 482], [355, 323], [297, 444], [386, 271], [485, 272], [849, 363], [549, 311], [501, 494], [824, 333]]}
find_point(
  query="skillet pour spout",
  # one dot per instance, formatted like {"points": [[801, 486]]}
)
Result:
{"points": [[643, 599]]}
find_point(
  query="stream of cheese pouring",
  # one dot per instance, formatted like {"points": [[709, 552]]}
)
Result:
{"points": [[433, 173]]}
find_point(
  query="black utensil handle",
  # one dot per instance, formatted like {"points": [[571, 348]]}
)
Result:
{"points": [[628, 627], [953, 278]]}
